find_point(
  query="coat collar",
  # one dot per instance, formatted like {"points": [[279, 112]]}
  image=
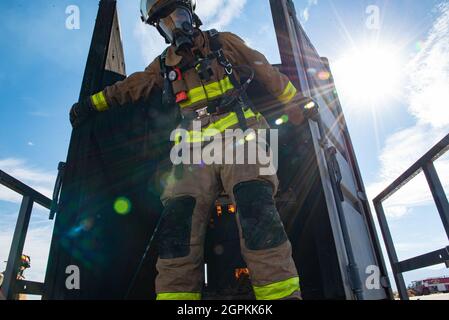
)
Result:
{"points": [[173, 59]]}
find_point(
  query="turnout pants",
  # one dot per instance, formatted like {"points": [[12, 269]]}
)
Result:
{"points": [[189, 195]]}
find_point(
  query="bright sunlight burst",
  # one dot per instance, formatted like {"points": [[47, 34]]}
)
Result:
{"points": [[369, 76]]}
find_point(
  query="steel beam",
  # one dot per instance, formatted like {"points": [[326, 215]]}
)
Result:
{"points": [[438, 194], [29, 287], [425, 260], [389, 244], [21, 188], [15, 253], [433, 154]]}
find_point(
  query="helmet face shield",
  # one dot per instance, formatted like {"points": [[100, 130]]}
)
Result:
{"points": [[153, 10], [174, 19], [179, 18]]}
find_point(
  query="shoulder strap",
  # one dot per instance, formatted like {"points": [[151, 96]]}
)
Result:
{"points": [[162, 59], [168, 97], [214, 40], [217, 50], [243, 101]]}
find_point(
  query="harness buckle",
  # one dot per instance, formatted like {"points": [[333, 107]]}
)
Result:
{"points": [[228, 69], [203, 112]]}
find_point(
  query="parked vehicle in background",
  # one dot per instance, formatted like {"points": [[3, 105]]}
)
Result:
{"points": [[430, 286]]}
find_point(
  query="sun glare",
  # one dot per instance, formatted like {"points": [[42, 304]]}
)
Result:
{"points": [[369, 76]]}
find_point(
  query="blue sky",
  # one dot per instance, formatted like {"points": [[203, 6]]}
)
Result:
{"points": [[42, 64]]}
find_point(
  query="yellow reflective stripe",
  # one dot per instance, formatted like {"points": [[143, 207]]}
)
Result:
{"points": [[277, 290], [99, 101], [288, 94], [216, 127], [179, 296], [230, 120], [209, 91]]}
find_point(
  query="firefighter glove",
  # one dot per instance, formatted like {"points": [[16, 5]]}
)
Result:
{"points": [[80, 112]]}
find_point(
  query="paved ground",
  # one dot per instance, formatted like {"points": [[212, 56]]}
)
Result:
{"points": [[442, 296]]}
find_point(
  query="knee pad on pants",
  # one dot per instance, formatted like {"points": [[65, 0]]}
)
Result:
{"points": [[261, 225], [176, 227]]}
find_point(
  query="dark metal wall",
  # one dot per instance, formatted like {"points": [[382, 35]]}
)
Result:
{"points": [[112, 156]]}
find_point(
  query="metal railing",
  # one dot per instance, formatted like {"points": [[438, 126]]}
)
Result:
{"points": [[11, 285], [426, 165]]}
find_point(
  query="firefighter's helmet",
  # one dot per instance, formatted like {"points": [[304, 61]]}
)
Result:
{"points": [[154, 10], [170, 16], [25, 262]]}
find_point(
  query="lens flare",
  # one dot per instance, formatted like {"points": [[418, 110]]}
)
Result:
{"points": [[250, 136], [282, 120], [323, 75], [219, 250], [419, 46], [122, 206], [311, 71], [310, 105]]}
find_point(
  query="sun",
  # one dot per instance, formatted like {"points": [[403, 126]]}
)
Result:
{"points": [[369, 76]]}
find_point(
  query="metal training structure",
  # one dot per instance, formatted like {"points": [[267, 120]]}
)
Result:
{"points": [[426, 165]]}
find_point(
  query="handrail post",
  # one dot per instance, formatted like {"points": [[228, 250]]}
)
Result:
{"points": [[438, 194], [20, 232], [389, 244]]}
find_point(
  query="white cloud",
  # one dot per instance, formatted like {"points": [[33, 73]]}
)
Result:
{"points": [[397, 212], [40, 114], [429, 83], [151, 42], [38, 179], [214, 14], [430, 244], [428, 98], [401, 150], [219, 13]]}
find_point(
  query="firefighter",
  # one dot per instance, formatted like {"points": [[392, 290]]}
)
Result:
{"points": [[205, 75], [25, 263]]}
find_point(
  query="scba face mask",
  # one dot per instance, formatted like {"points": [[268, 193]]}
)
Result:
{"points": [[177, 28], [174, 19]]}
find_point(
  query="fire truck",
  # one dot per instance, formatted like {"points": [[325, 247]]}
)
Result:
{"points": [[430, 286]]}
